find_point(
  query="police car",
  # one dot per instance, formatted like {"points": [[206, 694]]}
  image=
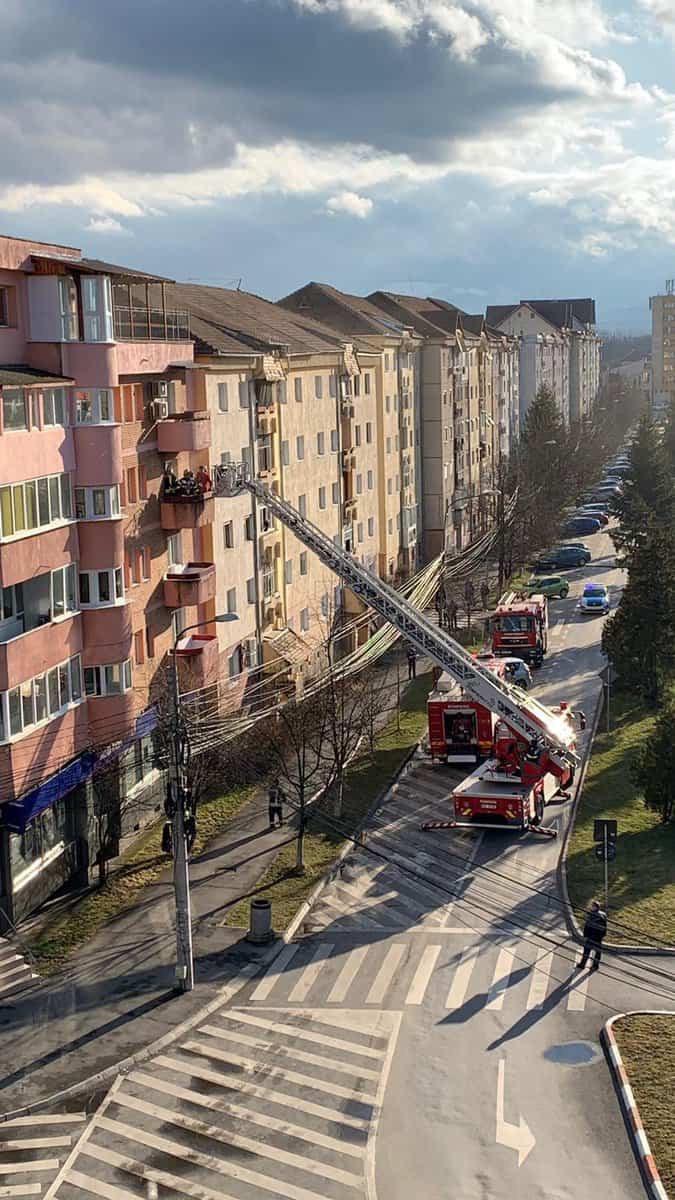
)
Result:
{"points": [[595, 599]]}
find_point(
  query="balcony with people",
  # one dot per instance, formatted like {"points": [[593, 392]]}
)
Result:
{"points": [[186, 502]]}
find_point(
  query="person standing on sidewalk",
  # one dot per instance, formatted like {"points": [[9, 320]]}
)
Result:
{"points": [[595, 929], [412, 662], [274, 805], [452, 614], [485, 595]]}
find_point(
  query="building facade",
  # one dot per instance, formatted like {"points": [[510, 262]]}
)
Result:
{"points": [[663, 349]]}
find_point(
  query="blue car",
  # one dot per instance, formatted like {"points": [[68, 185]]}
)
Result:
{"points": [[582, 525]]}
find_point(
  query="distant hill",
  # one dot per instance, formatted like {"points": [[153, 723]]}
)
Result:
{"points": [[617, 348]]}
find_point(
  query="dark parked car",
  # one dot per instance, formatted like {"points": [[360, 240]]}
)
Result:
{"points": [[583, 525], [561, 557], [594, 510]]}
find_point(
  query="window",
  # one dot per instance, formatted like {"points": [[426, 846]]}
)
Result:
{"points": [[285, 454], [387, 404], [321, 443], [142, 482], [134, 567], [14, 409], [44, 501], [147, 562], [250, 591], [63, 597], [149, 642], [322, 497], [297, 385], [396, 441], [223, 399], [359, 531], [357, 385], [318, 387], [232, 600], [334, 442], [139, 648], [128, 403], [249, 528], [94, 406], [390, 525], [303, 563], [370, 481], [288, 570], [36, 700], [235, 663], [388, 445], [174, 551], [336, 493], [6, 298], [359, 484], [398, 520], [54, 407], [325, 605], [371, 526], [228, 535], [366, 384], [332, 385], [132, 489], [243, 393], [389, 486], [225, 458], [282, 392], [70, 329], [300, 447], [111, 680], [369, 431], [302, 505], [96, 504], [304, 620], [357, 435]]}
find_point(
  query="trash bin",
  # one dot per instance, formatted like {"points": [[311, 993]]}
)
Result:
{"points": [[260, 925]]}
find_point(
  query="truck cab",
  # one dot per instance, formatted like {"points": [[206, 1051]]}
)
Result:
{"points": [[519, 626]]}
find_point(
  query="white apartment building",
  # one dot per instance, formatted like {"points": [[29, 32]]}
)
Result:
{"points": [[663, 348]]}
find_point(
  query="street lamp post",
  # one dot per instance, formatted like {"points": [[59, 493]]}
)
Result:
{"points": [[179, 790]]}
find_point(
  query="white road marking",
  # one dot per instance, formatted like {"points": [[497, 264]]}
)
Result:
{"points": [[45, 1119], [270, 1047], [386, 973], [97, 1187], [500, 981], [516, 1137], [27, 1168], [33, 1143], [280, 1073], [21, 1189], [311, 972], [262, 991], [347, 975], [298, 1031], [460, 983], [422, 975], [576, 997], [540, 977]]}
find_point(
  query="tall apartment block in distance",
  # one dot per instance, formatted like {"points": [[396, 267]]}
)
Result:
{"points": [[98, 571], [663, 349]]}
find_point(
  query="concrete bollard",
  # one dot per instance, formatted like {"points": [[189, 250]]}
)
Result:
{"points": [[260, 925]]}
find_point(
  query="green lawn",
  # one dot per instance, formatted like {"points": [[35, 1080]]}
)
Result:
{"points": [[647, 1045], [139, 867], [366, 780], [642, 877]]}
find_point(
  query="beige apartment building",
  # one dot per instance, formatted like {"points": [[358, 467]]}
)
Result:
{"points": [[663, 348]]}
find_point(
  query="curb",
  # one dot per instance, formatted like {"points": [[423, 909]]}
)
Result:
{"points": [[631, 1112], [561, 870]]}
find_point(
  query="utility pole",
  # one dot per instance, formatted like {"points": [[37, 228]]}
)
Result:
{"points": [[179, 793]]}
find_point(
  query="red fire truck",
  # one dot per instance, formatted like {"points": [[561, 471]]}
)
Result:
{"points": [[519, 626], [461, 730], [511, 789]]}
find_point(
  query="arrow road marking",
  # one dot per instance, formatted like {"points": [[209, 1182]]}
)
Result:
{"points": [[516, 1137]]}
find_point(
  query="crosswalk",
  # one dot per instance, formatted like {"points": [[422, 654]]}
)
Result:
{"points": [[16, 974], [498, 975], [33, 1149], [254, 1103]]}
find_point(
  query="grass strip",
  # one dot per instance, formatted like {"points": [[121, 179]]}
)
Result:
{"points": [[642, 876], [647, 1045], [138, 868], [367, 778]]}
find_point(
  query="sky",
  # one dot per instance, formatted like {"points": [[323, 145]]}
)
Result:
{"points": [[482, 151]]}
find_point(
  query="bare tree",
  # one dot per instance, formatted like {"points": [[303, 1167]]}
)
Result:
{"points": [[293, 740], [375, 694]]}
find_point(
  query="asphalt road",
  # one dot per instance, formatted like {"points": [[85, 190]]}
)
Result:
{"points": [[426, 1035]]}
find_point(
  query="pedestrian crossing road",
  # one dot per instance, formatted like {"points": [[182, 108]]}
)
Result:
{"points": [[254, 1104], [32, 1150]]}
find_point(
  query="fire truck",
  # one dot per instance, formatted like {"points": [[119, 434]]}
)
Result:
{"points": [[546, 734], [519, 626], [512, 789], [461, 730]]}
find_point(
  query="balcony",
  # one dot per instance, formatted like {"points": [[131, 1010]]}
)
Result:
{"points": [[198, 657], [106, 634], [144, 323], [189, 584], [350, 509], [186, 512], [188, 432]]}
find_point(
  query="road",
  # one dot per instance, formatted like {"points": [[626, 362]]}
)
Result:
{"points": [[426, 1035]]}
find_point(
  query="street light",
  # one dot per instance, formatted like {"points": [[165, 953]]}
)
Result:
{"points": [[179, 791]]}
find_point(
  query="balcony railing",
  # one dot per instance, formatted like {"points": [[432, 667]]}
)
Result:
{"points": [[141, 324]]}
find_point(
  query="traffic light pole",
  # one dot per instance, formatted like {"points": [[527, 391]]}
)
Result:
{"points": [[185, 978], [605, 857]]}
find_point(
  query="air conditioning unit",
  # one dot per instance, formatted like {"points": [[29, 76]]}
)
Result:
{"points": [[159, 409], [158, 389]]}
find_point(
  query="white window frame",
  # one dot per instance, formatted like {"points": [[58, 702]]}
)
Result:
{"points": [[318, 387], [15, 398], [111, 498], [94, 406], [371, 527], [322, 497], [297, 389], [335, 493], [115, 578], [300, 447], [42, 487], [334, 441], [321, 443], [223, 397], [250, 590], [231, 599], [370, 480], [50, 396], [102, 681], [40, 687]]}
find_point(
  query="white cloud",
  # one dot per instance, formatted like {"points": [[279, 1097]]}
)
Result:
{"points": [[662, 11], [98, 224], [351, 203]]}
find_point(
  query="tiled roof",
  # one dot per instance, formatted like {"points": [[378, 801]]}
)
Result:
{"points": [[352, 315], [496, 313], [96, 266], [226, 321], [22, 376], [563, 312], [427, 319]]}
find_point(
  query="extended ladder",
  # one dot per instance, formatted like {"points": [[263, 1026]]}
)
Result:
{"points": [[530, 719]]}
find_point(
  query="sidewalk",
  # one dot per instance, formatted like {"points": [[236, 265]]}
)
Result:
{"points": [[117, 993]]}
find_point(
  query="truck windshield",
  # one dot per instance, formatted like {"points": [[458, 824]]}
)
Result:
{"points": [[512, 624]]}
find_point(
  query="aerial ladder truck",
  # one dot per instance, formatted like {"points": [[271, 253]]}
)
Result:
{"points": [[537, 741]]}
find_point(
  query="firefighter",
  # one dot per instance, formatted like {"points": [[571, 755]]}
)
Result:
{"points": [[452, 614], [412, 662], [274, 805], [595, 929], [485, 595]]}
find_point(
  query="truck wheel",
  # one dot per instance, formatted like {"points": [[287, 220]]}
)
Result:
{"points": [[538, 810]]}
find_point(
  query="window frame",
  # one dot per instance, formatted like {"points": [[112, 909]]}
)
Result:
{"points": [[46, 690], [10, 492], [111, 498], [104, 681], [7, 395]]}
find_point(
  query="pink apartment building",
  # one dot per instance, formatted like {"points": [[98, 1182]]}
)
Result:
{"points": [[99, 571]]}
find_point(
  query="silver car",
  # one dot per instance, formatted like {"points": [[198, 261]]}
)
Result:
{"points": [[518, 672]]}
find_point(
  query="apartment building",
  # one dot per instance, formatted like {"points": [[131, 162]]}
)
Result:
{"points": [[99, 570], [662, 308], [387, 422]]}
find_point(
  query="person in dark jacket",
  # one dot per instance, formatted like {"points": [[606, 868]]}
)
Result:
{"points": [[275, 805], [412, 662], [595, 929]]}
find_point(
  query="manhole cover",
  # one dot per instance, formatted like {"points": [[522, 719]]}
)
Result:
{"points": [[573, 1054]]}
